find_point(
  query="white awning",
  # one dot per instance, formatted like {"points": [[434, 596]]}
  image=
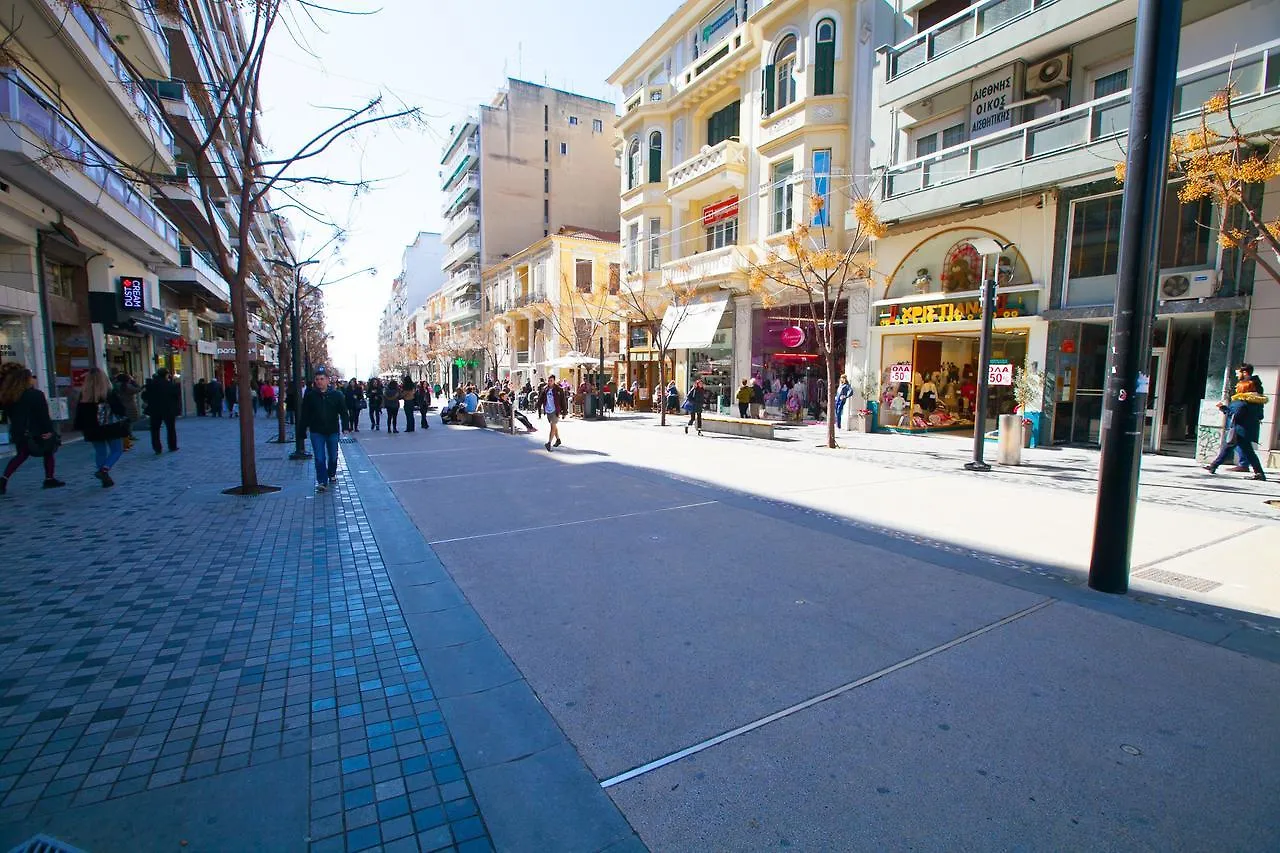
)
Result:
{"points": [[693, 326]]}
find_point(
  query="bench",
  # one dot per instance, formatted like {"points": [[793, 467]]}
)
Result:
{"points": [[751, 427], [491, 415]]}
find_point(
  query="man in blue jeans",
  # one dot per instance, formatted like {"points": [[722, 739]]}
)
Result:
{"points": [[321, 414]]}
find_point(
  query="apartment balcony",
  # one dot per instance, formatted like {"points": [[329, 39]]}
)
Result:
{"points": [[462, 133], [83, 180], [988, 35], [465, 167], [643, 195], [1074, 143], [181, 200], [727, 263], [815, 112], [464, 157], [462, 310], [468, 276], [182, 112], [463, 250], [643, 102], [140, 34], [713, 170], [195, 274], [460, 223], [466, 190], [718, 68]]}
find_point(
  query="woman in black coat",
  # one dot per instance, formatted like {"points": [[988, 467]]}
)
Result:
{"points": [[30, 427], [391, 400], [102, 417], [355, 402], [375, 402]]}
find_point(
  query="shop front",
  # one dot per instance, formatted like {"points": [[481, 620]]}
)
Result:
{"points": [[643, 365], [15, 346], [786, 350]]}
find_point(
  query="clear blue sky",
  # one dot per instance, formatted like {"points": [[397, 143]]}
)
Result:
{"points": [[444, 56]]}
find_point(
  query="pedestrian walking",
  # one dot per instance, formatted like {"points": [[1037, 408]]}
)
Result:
{"points": [[291, 403], [102, 418], [1246, 381], [214, 397], [355, 402], [375, 397], [163, 398], [233, 397], [744, 399], [31, 430], [843, 393], [555, 404], [693, 404], [268, 395], [409, 398], [129, 392], [200, 393], [391, 402], [321, 415], [422, 400], [1244, 424]]}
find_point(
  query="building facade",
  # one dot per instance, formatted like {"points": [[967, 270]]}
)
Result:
{"points": [[98, 264], [401, 327], [1005, 120], [734, 113]]}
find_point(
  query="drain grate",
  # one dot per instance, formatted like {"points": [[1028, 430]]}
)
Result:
{"points": [[45, 844], [1187, 582]]}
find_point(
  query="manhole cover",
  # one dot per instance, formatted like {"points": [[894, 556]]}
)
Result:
{"points": [[45, 844], [1187, 582]]}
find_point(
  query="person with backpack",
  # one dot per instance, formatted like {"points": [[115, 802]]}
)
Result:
{"points": [[102, 418], [31, 430], [163, 398]]}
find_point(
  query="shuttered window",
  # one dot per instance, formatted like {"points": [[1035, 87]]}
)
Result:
{"points": [[824, 58]]}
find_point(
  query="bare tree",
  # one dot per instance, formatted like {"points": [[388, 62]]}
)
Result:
{"points": [[813, 270]]}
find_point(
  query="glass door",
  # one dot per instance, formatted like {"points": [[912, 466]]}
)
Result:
{"points": [[1153, 420]]}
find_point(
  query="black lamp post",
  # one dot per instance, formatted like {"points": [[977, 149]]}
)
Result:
{"points": [[986, 247]]}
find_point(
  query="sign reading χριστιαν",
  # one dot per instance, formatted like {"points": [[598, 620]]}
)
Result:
{"points": [[946, 312]]}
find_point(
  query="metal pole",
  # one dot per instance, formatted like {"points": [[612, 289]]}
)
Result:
{"points": [[299, 451], [984, 370], [1155, 69]]}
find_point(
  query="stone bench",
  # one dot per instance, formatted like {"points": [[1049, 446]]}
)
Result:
{"points": [[491, 415], [750, 427]]}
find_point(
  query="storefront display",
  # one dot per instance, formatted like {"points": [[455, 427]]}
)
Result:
{"points": [[714, 364], [947, 263], [786, 350], [126, 354], [15, 339]]}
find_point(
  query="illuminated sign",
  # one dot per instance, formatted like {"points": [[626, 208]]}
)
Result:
{"points": [[947, 312], [792, 336], [132, 292]]}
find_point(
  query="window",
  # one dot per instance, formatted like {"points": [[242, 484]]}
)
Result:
{"points": [[573, 121], [60, 279], [722, 234], [822, 185], [633, 163], [583, 272], [723, 124], [824, 58], [546, 150], [930, 138], [655, 157], [633, 246], [655, 244], [1109, 84], [546, 211], [615, 277], [783, 193], [597, 125], [780, 77], [546, 117], [564, 148], [546, 180]]}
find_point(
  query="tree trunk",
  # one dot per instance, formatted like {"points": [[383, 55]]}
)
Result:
{"points": [[282, 355], [831, 397], [662, 387], [240, 323]]}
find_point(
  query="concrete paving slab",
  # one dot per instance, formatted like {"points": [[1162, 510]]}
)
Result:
{"points": [[506, 723], [469, 668], [429, 597], [445, 628], [1246, 564], [572, 820], [619, 645], [1067, 730]]}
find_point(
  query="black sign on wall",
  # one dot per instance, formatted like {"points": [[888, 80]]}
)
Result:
{"points": [[131, 294]]}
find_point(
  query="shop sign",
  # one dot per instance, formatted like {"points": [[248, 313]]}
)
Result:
{"points": [[900, 372], [714, 25], [1068, 346], [226, 351], [132, 292], [999, 372], [792, 337], [207, 348], [720, 211], [947, 312], [989, 100]]}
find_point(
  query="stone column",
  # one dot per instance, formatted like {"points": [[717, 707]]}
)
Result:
{"points": [[98, 270], [742, 327]]}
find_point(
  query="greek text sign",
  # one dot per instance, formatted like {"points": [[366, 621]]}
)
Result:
{"points": [[989, 100], [947, 312], [1000, 373], [900, 372]]}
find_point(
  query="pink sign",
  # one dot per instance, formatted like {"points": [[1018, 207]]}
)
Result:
{"points": [[792, 336]]}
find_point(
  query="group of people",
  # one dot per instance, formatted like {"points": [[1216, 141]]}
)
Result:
{"points": [[210, 397], [389, 397], [1244, 425]]}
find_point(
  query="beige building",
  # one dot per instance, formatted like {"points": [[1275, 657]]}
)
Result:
{"points": [[733, 113]]}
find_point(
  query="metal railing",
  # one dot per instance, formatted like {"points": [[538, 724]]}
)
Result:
{"points": [[1251, 74], [19, 103], [960, 29]]}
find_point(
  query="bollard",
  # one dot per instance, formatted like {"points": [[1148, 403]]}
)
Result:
{"points": [[1009, 443]]}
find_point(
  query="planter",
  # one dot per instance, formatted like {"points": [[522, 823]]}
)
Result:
{"points": [[1009, 440], [867, 421], [1027, 431]]}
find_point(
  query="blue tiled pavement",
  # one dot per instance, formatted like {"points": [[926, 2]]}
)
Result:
{"points": [[160, 634]]}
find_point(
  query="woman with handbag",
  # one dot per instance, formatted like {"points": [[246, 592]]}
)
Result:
{"points": [[31, 430], [101, 416]]}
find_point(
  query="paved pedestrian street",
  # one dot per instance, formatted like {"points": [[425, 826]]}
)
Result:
{"points": [[641, 640]]}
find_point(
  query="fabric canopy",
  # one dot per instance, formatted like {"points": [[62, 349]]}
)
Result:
{"points": [[693, 326]]}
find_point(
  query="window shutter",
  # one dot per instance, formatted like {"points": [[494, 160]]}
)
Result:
{"points": [[824, 76], [655, 163], [768, 90]]}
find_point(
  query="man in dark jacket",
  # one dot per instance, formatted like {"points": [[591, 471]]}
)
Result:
{"points": [[555, 405], [163, 398], [213, 395], [321, 414], [200, 393]]}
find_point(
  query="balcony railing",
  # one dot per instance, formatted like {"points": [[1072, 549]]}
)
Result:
{"points": [[148, 8], [461, 249], [725, 53], [463, 156], [533, 298], [1251, 74], [101, 38], [68, 144], [466, 188], [696, 268], [643, 96], [173, 90], [725, 153], [460, 223], [961, 28]]}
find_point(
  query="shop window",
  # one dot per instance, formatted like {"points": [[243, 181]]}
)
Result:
{"points": [[655, 157], [723, 124], [783, 194], [948, 263], [1187, 237], [824, 58], [633, 163], [722, 234], [822, 185]]}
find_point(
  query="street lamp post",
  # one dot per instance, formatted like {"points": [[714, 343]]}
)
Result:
{"points": [[299, 451], [985, 246]]}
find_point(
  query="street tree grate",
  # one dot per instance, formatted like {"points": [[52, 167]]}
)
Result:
{"points": [[45, 844], [1187, 582]]}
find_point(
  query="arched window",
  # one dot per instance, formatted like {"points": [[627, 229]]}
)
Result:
{"points": [[780, 76], [655, 157], [824, 58], [633, 163]]}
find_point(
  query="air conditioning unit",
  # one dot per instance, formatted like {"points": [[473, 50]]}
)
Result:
{"points": [[1049, 74], [1194, 284]]}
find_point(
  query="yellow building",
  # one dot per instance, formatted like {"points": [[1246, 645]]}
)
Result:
{"points": [[733, 114], [550, 307]]}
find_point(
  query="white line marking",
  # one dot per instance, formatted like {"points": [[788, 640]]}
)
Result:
{"points": [[438, 450], [809, 703], [477, 474], [570, 523]]}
